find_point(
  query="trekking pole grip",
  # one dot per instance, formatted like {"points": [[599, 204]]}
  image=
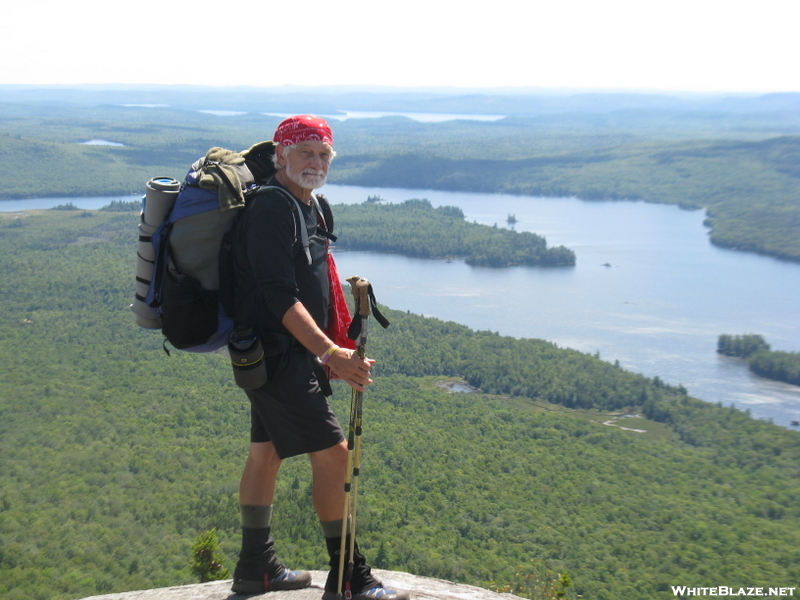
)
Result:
{"points": [[360, 289]]}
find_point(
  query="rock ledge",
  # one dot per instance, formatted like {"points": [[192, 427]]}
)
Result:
{"points": [[420, 588]]}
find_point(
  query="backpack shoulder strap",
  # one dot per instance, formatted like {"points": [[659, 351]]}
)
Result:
{"points": [[297, 211], [326, 215]]}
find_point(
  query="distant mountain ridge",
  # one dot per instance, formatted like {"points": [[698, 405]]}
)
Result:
{"points": [[330, 100]]}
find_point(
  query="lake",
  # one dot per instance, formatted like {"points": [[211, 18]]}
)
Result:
{"points": [[648, 290], [658, 307]]}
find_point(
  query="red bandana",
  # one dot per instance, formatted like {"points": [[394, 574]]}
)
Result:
{"points": [[302, 128]]}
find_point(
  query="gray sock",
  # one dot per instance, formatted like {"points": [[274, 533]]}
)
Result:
{"points": [[256, 517], [332, 529]]}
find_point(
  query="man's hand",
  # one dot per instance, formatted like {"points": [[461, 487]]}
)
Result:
{"points": [[351, 368], [344, 362]]}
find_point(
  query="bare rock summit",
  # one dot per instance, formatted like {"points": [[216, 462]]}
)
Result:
{"points": [[419, 588]]}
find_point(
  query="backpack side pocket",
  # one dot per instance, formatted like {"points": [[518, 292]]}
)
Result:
{"points": [[189, 312]]}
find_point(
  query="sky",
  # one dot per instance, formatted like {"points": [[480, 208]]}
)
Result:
{"points": [[682, 45]]}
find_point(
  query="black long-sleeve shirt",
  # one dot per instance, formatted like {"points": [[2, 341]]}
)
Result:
{"points": [[271, 267]]}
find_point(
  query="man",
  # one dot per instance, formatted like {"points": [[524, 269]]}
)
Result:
{"points": [[283, 294]]}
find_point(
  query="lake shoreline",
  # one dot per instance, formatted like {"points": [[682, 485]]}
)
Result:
{"points": [[658, 309], [732, 246]]}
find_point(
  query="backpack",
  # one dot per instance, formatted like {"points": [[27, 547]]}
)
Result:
{"points": [[183, 276]]}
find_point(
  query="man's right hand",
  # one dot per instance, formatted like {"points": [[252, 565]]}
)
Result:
{"points": [[351, 368]]}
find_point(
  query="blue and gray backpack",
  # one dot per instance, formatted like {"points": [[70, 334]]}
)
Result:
{"points": [[183, 275]]}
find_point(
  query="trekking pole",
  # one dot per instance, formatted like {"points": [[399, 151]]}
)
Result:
{"points": [[364, 299]]}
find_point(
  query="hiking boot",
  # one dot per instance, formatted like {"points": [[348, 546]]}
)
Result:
{"points": [[362, 585], [259, 570], [286, 580], [376, 593]]}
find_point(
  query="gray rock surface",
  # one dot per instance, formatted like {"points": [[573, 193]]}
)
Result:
{"points": [[420, 588]]}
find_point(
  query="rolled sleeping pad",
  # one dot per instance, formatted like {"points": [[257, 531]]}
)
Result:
{"points": [[158, 201], [145, 258]]}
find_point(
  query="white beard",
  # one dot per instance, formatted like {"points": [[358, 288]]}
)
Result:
{"points": [[308, 179]]}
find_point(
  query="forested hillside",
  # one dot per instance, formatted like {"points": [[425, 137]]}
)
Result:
{"points": [[115, 455], [737, 160]]}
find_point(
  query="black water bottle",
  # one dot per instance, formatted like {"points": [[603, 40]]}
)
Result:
{"points": [[247, 359]]}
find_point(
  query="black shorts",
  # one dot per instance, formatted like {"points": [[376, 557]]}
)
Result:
{"points": [[291, 409]]}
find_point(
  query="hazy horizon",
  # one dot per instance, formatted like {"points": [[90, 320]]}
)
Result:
{"points": [[705, 46], [378, 89]]}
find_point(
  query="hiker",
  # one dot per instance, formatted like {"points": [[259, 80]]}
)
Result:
{"points": [[283, 292]]}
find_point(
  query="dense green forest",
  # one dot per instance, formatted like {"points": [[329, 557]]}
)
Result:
{"points": [[116, 456], [778, 365], [741, 346], [415, 228], [737, 162], [781, 366]]}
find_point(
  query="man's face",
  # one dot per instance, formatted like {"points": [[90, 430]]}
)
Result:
{"points": [[307, 164]]}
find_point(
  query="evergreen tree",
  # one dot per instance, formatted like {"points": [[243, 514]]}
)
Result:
{"points": [[206, 558]]}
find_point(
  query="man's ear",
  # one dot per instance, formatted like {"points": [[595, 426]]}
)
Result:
{"points": [[279, 155]]}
